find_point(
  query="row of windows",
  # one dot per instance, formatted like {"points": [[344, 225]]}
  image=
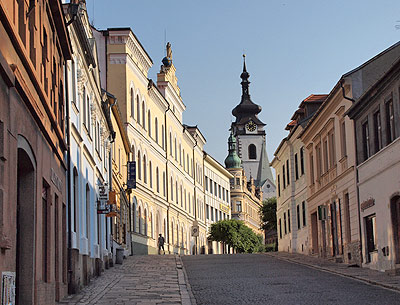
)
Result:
{"points": [[213, 213], [372, 146], [286, 170], [216, 189], [301, 219]]}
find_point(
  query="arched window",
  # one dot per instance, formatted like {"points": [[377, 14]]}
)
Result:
{"points": [[170, 143], [157, 180], [137, 109], [162, 137], [182, 235], [145, 222], [151, 174], [144, 170], [164, 183], [143, 115], [140, 221], [181, 197], [165, 230], [156, 130], [187, 169], [149, 122], [190, 209], [185, 199], [172, 233], [176, 192], [176, 150], [139, 166], [184, 168], [132, 104], [180, 154], [172, 190], [87, 210], [252, 152], [151, 225], [177, 235], [76, 200]]}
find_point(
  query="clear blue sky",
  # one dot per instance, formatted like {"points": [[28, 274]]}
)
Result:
{"points": [[294, 48]]}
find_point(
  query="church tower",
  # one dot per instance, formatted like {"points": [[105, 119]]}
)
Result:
{"points": [[251, 139]]}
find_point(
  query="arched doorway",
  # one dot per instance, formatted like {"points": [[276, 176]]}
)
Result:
{"points": [[26, 219], [395, 212]]}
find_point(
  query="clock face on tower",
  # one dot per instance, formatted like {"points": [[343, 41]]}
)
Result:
{"points": [[251, 126]]}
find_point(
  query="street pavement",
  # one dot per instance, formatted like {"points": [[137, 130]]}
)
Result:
{"points": [[140, 280], [266, 279]]}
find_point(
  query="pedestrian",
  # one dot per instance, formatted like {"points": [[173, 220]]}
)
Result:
{"points": [[161, 241]]}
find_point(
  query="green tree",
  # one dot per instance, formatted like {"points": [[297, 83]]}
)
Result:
{"points": [[268, 219], [237, 235]]}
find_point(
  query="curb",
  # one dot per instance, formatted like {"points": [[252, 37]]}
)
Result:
{"points": [[185, 289], [372, 282]]}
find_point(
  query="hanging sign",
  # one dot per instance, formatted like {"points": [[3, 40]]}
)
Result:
{"points": [[103, 192], [131, 182]]}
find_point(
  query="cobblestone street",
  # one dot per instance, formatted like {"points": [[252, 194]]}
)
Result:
{"points": [[141, 280]]}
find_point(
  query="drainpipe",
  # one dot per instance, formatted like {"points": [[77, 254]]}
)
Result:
{"points": [[166, 172], [357, 188], [69, 253], [195, 197]]}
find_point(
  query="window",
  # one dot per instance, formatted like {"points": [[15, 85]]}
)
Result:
{"points": [[206, 179], [296, 166], [237, 181], [212, 214], [370, 227], [219, 191], [180, 154], [343, 138], [151, 174], [303, 207], [144, 170], [280, 229], [176, 192], [137, 109], [170, 143], [284, 176], [298, 216], [377, 131], [312, 168], [143, 115], [287, 172], [365, 139], [326, 160], [139, 166], [227, 196], [45, 228], [156, 129], [176, 150], [149, 122], [279, 185], [319, 162], [302, 161], [223, 194], [215, 188], [164, 184], [87, 232], [132, 104], [157, 180], [172, 190], [284, 222], [76, 199], [390, 135], [207, 211], [238, 206], [88, 113], [252, 152], [162, 137], [288, 216], [332, 152]]}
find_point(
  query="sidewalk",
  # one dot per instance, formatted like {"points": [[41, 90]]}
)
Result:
{"points": [[141, 280], [363, 274]]}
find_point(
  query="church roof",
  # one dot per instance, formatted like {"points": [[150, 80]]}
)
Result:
{"points": [[246, 110], [264, 171]]}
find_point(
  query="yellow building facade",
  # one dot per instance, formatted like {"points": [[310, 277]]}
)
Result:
{"points": [[169, 195]]}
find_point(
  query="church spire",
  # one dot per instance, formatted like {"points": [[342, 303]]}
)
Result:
{"points": [[246, 110], [232, 160]]}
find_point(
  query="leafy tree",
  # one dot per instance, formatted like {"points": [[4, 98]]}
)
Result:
{"points": [[237, 235], [268, 217], [268, 214]]}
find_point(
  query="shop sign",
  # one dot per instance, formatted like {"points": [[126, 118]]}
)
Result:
{"points": [[7, 288], [131, 182], [367, 204], [103, 192]]}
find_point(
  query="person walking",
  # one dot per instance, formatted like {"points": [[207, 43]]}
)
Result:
{"points": [[161, 242]]}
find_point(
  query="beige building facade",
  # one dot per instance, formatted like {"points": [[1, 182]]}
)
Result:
{"points": [[169, 196], [290, 168]]}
